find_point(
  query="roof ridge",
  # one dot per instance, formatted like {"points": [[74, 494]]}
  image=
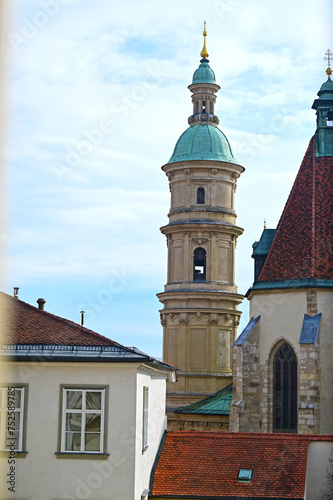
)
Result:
{"points": [[253, 435], [313, 213]]}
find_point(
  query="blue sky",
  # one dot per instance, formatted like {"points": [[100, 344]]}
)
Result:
{"points": [[96, 98]]}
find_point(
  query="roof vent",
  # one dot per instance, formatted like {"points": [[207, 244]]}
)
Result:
{"points": [[41, 303], [82, 317], [16, 289]]}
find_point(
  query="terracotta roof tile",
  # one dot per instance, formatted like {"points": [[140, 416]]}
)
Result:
{"points": [[206, 465], [22, 323], [303, 244]]}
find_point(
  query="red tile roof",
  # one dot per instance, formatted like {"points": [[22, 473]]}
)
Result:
{"points": [[206, 465], [21, 323], [303, 244]]}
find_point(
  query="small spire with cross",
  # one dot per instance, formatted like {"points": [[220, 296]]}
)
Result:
{"points": [[328, 58], [204, 52]]}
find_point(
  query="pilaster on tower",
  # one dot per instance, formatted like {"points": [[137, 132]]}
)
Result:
{"points": [[200, 298]]}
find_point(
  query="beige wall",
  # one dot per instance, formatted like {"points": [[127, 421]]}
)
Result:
{"points": [[157, 422], [319, 454], [282, 316], [126, 470], [325, 305]]}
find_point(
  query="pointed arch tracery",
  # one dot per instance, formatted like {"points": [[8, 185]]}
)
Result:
{"points": [[285, 389]]}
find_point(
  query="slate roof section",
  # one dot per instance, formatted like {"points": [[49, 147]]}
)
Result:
{"points": [[206, 465], [302, 247], [310, 329], [263, 246], [218, 404], [246, 332]]}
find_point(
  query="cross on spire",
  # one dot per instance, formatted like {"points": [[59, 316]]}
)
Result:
{"points": [[328, 57]]}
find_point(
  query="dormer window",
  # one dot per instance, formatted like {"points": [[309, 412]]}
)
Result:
{"points": [[244, 475], [201, 195]]}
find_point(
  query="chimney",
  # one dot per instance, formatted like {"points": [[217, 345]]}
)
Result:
{"points": [[41, 303], [16, 289]]}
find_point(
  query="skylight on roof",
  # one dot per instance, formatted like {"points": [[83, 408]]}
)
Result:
{"points": [[244, 475]]}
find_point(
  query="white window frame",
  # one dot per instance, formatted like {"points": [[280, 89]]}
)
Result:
{"points": [[83, 411], [145, 419], [8, 415]]}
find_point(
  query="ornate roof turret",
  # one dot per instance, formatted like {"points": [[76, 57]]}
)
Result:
{"points": [[203, 140], [324, 111], [204, 74]]}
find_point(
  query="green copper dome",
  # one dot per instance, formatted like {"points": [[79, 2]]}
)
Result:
{"points": [[203, 142], [204, 74], [326, 90]]}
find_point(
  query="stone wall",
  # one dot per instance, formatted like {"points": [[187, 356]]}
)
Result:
{"points": [[309, 389]]}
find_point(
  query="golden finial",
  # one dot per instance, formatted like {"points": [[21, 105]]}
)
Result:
{"points": [[204, 52], [328, 56]]}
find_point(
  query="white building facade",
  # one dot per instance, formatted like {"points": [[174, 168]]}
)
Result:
{"points": [[79, 421]]}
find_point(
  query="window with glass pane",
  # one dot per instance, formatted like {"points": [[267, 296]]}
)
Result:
{"points": [[83, 420], [145, 419], [285, 389], [11, 418]]}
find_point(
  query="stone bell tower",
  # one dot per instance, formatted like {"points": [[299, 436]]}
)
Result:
{"points": [[200, 298]]}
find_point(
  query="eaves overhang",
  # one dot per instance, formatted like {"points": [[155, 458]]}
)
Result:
{"points": [[208, 497], [290, 284], [78, 353]]}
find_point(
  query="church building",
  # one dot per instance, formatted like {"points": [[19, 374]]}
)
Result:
{"points": [[283, 360]]}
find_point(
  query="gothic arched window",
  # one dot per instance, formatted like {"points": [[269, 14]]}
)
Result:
{"points": [[285, 389], [199, 265], [201, 195]]}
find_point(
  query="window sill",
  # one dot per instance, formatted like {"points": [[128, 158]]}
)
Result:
{"points": [[82, 456], [13, 454]]}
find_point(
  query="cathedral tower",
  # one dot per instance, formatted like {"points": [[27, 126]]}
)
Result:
{"points": [[200, 298]]}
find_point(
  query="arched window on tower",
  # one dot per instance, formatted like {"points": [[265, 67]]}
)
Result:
{"points": [[285, 389], [330, 119], [201, 195], [199, 265]]}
